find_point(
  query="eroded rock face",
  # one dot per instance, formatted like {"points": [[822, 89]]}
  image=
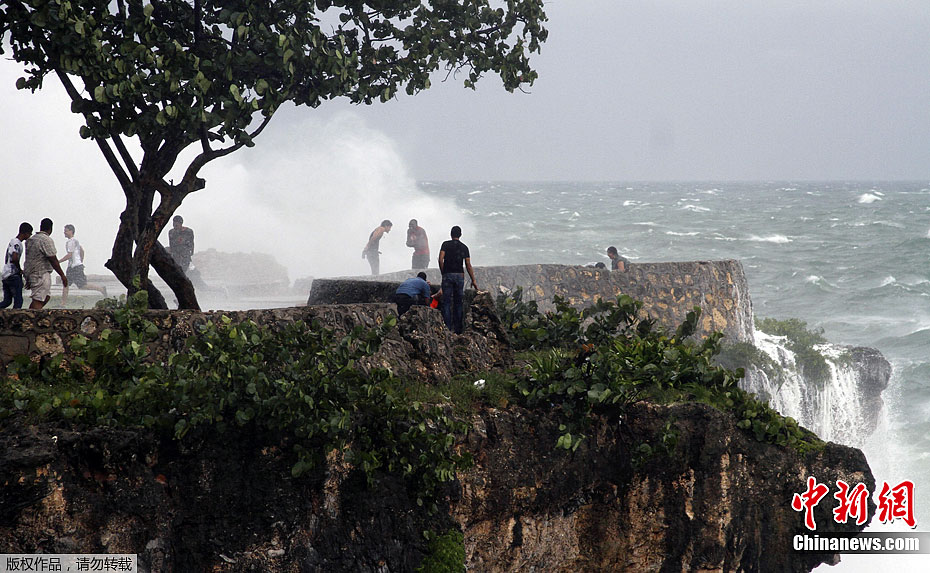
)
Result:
{"points": [[874, 373], [720, 501]]}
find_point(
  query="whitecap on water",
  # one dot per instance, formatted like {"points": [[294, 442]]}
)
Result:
{"points": [[677, 234], [889, 280], [475, 192], [695, 208], [778, 239], [889, 224], [867, 198]]}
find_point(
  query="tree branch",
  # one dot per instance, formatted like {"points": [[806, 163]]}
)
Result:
{"points": [[124, 180]]}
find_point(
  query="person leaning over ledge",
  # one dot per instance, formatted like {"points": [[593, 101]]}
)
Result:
{"points": [[412, 291], [617, 261]]}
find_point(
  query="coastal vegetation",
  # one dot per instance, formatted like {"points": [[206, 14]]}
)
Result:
{"points": [[803, 342], [302, 384]]}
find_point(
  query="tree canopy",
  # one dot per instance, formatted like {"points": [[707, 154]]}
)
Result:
{"points": [[176, 73]]}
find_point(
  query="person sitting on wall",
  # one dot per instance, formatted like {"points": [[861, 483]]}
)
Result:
{"points": [[617, 261], [412, 291]]}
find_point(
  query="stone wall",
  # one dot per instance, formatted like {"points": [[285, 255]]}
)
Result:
{"points": [[668, 290], [420, 347]]}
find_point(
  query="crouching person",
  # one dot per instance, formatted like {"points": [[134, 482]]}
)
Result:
{"points": [[412, 291]]}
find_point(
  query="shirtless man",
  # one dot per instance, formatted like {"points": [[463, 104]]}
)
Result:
{"points": [[371, 251]]}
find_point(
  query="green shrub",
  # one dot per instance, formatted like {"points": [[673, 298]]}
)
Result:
{"points": [[598, 361], [446, 553], [298, 381], [801, 341]]}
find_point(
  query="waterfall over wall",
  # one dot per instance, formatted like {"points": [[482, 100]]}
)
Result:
{"points": [[844, 407]]}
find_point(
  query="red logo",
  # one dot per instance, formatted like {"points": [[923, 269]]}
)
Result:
{"points": [[893, 502]]}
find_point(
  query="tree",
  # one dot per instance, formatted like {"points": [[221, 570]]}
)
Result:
{"points": [[212, 73]]}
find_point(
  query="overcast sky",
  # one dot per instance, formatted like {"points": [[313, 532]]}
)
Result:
{"points": [[696, 89], [628, 90]]}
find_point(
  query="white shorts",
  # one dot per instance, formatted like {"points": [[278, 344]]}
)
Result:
{"points": [[41, 286]]}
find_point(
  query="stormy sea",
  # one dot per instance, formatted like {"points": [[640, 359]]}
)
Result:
{"points": [[850, 258]]}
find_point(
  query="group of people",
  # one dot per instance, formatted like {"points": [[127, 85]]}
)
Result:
{"points": [[29, 261], [454, 261], [416, 238]]}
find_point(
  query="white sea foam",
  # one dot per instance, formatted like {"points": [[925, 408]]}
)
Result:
{"points": [[778, 239], [476, 192], [814, 279], [631, 203], [889, 224], [867, 198], [889, 280], [500, 214], [646, 224], [531, 192], [677, 234], [695, 208]]}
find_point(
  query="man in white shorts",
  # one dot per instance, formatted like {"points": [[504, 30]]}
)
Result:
{"points": [[41, 260]]}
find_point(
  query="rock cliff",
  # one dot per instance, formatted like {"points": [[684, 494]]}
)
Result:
{"points": [[719, 501]]}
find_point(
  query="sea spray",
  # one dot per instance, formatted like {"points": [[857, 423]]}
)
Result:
{"points": [[835, 407]]}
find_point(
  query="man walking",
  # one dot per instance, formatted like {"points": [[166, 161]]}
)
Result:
{"points": [[416, 238], [371, 251], [454, 259], [41, 260], [12, 269]]}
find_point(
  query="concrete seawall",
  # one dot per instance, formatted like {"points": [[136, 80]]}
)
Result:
{"points": [[668, 290]]}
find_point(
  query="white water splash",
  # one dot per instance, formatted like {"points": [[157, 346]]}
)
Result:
{"points": [[867, 198], [833, 410]]}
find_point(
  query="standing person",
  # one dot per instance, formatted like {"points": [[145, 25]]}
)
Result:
{"points": [[454, 259], [41, 260], [181, 243], [12, 269], [617, 261], [75, 257], [416, 238], [371, 251], [412, 291]]}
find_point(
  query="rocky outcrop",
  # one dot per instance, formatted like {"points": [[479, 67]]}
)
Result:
{"points": [[874, 373], [719, 501], [668, 290]]}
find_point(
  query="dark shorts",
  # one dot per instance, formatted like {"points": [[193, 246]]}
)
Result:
{"points": [[76, 276], [420, 261]]}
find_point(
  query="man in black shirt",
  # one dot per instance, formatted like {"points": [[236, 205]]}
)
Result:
{"points": [[454, 259]]}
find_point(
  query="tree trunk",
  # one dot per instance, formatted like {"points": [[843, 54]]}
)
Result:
{"points": [[171, 272]]}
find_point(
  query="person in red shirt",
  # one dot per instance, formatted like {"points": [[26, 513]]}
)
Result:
{"points": [[416, 238]]}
